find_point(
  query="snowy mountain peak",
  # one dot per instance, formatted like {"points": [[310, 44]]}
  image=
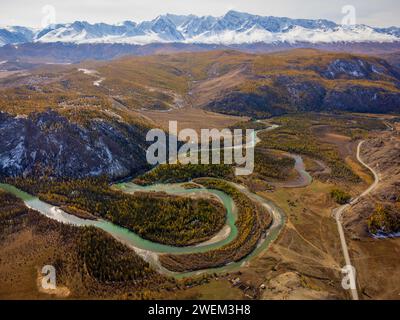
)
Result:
{"points": [[232, 28]]}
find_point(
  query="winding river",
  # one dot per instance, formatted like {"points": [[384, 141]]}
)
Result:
{"points": [[149, 250]]}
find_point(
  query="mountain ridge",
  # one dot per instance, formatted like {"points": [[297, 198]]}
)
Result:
{"points": [[232, 28]]}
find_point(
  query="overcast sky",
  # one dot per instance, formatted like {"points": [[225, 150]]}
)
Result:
{"points": [[29, 12]]}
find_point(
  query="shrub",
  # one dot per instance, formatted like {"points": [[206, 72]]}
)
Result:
{"points": [[340, 196]]}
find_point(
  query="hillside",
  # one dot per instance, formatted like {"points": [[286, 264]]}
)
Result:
{"points": [[393, 58], [306, 80], [48, 144], [100, 111], [223, 81], [373, 223], [379, 214]]}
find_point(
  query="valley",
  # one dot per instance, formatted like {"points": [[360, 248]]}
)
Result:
{"points": [[75, 142]]}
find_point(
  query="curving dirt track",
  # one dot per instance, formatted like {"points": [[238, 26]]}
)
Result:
{"points": [[337, 213]]}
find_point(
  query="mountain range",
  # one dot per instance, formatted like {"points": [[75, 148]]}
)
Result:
{"points": [[232, 28]]}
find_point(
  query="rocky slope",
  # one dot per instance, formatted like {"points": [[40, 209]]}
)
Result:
{"points": [[377, 258], [393, 58], [308, 80], [47, 143], [383, 154]]}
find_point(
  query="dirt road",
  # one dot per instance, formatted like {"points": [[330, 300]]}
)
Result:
{"points": [[337, 213]]}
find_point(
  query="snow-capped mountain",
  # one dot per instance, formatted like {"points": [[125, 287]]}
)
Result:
{"points": [[232, 28], [15, 35]]}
